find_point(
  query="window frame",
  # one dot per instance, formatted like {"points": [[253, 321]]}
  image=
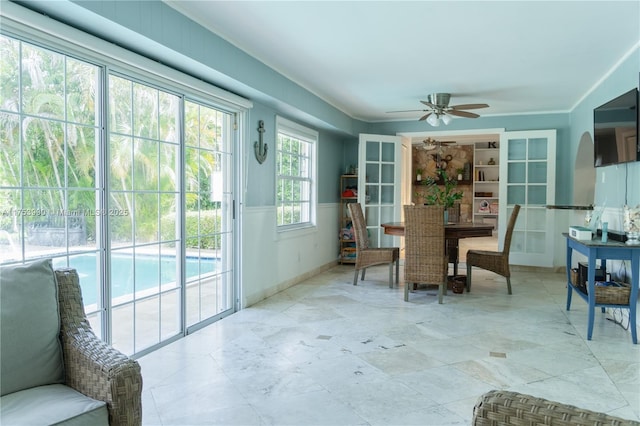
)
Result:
{"points": [[311, 137]]}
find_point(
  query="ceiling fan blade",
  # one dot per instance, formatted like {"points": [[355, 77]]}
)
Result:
{"points": [[424, 117], [407, 110], [469, 106], [463, 113]]}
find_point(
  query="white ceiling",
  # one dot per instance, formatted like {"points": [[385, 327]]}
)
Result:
{"points": [[370, 57]]}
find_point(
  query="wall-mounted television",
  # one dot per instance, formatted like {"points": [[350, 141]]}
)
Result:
{"points": [[615, 130]]}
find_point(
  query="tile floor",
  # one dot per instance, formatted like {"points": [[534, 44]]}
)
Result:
{"points": [[325, 352]]}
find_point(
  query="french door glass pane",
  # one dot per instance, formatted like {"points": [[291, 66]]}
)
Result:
{"points": [[372, 151], [537, 149], [537, 172], [517, 149]]}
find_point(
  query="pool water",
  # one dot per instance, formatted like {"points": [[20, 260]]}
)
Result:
{"points": [[147, 274]]}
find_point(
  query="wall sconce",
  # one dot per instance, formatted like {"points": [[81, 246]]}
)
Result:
{"points": [[259, 146]]}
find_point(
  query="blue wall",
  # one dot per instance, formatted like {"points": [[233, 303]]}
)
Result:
{"points": [[159, 32], [260, 189], [620, 181]]}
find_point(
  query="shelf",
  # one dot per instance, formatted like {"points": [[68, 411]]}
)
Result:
{"points": [[346, 245], [485, 214], [440, 182], [487, 166]]}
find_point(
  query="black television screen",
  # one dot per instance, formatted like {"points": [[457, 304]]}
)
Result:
{"points": [[615, 130]]}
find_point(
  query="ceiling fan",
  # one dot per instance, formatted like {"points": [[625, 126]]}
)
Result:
{"points": [[430, 144], [439, 109]]}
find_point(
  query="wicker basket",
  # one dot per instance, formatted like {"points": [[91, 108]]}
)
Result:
{"points": [[574, 276], [613, 295]]}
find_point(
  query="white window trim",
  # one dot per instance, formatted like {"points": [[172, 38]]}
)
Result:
{"points": [[294, 129]]}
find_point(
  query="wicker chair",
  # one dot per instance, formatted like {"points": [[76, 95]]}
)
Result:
{"points": [[425, 258], [368, 256], [92, 367], [494, 261], [506, 408]]}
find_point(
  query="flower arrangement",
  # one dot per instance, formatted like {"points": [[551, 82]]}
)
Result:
{"points": [[442, 195]]}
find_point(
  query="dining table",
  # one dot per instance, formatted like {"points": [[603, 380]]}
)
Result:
{"points": [[453, 232]]}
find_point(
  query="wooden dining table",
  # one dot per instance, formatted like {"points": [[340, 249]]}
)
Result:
{"points": [[452, 232]]}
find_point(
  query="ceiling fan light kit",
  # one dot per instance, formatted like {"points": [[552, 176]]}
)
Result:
{"points": [[440, 111]]}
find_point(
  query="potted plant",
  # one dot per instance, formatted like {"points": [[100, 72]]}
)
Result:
{"points": [[445, 194], [419, 174]]}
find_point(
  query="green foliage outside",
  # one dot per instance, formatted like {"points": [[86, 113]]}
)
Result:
{"points": [[205, 223], [50, 142]]}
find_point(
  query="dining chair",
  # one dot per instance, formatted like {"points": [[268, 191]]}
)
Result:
{"points": [[369, 256], [424, 249], [494, 261]]}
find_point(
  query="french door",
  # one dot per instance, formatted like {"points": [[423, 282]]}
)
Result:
{"points": [[527, 177], [379, 184]]}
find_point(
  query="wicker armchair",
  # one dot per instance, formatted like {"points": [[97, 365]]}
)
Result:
{"points": [[494, 261], [425, 258], [92, 367], [369, 256], [506, 408]]}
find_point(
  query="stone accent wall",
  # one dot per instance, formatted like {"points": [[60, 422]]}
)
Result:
{"points": [[454, 159]]}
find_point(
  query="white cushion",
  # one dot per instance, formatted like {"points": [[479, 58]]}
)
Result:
{"points": [[52, 404], [30, 353]]}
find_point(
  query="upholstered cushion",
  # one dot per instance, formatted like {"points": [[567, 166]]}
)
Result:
{"points": [[52, 404], [30, 351]]}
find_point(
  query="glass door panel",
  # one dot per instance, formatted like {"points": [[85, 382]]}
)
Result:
{"points": [[537, 172], [380, 158], [517, 172], [529, 168], [517, 150], [537, 149]]}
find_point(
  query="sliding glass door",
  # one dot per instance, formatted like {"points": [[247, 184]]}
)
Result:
{"points": [[129, 182]]}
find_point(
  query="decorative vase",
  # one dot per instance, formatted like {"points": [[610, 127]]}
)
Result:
{"points": [[446, 216], [633, 238]]}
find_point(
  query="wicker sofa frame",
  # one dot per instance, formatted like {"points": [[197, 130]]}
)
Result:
{"points": [[507, 408], [92, 367]]}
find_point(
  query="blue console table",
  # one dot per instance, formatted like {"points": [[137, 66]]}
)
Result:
{"points": [[595, 249]]}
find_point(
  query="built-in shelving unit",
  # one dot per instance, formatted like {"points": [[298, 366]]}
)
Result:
{"points": [[486, 179], [348, 182]]}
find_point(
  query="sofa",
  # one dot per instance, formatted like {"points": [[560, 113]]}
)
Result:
{"points": [[507, 408], [53, 368]]}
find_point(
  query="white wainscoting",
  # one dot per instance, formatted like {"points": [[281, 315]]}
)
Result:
{"points": [[272, 261]]}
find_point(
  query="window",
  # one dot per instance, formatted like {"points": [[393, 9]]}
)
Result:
{"points": [[295, 174]]}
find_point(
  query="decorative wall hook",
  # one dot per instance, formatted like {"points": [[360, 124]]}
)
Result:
{"points": [[260, 147]]}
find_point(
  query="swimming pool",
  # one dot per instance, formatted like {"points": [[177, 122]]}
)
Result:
{"points": [[147, 274]]}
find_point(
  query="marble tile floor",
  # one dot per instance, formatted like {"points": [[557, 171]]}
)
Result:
{"points": [[325, 352]]}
